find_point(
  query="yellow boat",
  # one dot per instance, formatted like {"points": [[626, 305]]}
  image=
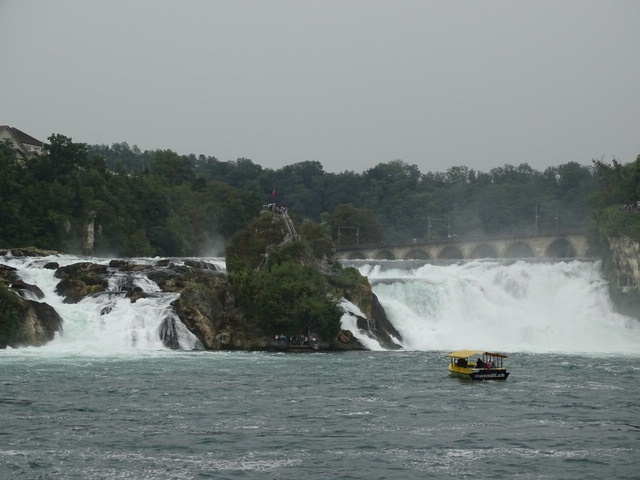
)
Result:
{"points": [[478, 365]]}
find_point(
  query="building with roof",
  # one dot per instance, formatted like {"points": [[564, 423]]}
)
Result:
{"points": [[26, 146]]}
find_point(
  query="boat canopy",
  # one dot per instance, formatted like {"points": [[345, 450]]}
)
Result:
{"points": [[465, 353], [494, 354], [468, 353]]}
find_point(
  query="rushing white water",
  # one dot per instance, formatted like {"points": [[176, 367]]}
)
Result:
{"points": [[521, 306], [107, 322], [559, 307], [349, 322]]}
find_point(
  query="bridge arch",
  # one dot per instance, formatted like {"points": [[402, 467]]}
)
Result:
{"points": [[385, 254], [538, 246], [417, 254], [483, 251], [560, 248], [450, 253], [519, 250]]}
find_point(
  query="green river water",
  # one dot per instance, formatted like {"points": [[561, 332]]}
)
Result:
{"points": [[354, 415]]}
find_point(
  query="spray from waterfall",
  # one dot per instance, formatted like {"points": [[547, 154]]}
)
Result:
{"points": [[519, 306], [109, 321]]}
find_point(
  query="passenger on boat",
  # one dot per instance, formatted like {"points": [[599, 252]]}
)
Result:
{"points": [[479, 363]]}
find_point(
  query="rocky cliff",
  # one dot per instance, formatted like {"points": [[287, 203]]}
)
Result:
{"points": [[374, 322], [207, 306], [625, 254], [622, 269]]}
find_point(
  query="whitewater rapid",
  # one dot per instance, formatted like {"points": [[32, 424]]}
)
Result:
{"points": [[561, 307], [555, 307], [106, 323]]}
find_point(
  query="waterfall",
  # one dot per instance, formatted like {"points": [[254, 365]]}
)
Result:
{"points": [[349, 321], [512, 306], [489, 304], [109, 321]]}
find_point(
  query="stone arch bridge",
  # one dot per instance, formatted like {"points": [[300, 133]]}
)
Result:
{"points": [[538, 246]]}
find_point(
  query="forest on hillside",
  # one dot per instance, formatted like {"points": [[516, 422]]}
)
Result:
{"points": [[395, 201], [162, 203]]}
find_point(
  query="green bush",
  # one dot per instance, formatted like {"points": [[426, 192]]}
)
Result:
{"points": [[279, 284], [614, 222], [12, 311]]}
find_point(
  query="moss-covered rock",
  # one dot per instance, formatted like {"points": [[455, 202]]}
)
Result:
{"points": [[293, 284]]}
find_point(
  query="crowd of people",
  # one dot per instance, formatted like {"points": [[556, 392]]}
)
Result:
{"points": [[296, 340], [462, 362], [481, 364], [631, 207], [272, 207]]}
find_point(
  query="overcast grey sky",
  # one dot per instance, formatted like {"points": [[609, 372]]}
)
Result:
{"points": [[348, 83]]}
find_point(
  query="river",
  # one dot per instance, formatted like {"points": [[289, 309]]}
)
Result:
{"points": [[79, 409]]}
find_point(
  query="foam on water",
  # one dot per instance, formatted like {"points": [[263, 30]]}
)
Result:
{"points": [[522, 306], [561, 307], [106, 323]]}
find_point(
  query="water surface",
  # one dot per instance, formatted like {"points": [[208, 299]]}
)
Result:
{"points": [[355, 415]]}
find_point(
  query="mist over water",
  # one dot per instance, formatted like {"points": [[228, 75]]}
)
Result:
{"points": [[561, 307]]}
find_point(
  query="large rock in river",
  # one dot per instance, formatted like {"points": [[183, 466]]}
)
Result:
{"points": [[24, 321], [79, 280], [207, 306], [373, 321]]}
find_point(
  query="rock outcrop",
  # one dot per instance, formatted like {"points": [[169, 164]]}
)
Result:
{"points": [[80, 279], [623, 274], [41, 324], [207, 306], [625, 254], [27, 252], [23, 320], [374, 321]]}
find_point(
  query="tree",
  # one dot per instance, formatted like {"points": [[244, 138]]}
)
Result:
{"points": [[12, 221], [292, 298], [66, 155], [609, 179], [351, 225], [318, 239], [172, 167], [279, 283]]}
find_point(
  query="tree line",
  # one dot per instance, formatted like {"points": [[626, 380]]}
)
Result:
{"points": [[162, 203], [55, 200], [396, 202]]}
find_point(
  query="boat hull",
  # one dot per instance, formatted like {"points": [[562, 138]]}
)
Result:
{"points": [[479, 374], [490, 375]]}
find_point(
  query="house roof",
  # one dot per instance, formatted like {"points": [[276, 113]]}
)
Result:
{"points": [[22, 137]]}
